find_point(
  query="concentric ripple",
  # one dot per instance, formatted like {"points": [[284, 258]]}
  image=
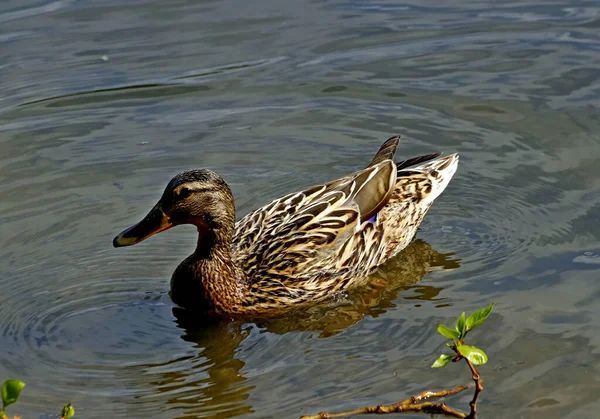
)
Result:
{"points": [[102, 102], [96, 321], [98, 332], [489, 223]]}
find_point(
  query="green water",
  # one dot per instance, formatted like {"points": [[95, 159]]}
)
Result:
{"points": [[101, 103]]}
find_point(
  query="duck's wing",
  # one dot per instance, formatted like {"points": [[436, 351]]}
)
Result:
{"points": [[386, 151], [299, 232]]}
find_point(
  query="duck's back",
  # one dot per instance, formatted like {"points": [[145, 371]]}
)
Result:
{"points": [[313, 242], [302, 235]]}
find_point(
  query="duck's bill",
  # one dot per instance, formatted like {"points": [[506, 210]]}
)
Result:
{"points": [[155, 222]]}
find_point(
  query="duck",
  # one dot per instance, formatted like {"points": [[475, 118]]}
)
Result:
{"points": [[298, 249]]}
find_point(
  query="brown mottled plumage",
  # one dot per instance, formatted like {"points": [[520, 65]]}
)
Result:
{"points": [[298, 248]]}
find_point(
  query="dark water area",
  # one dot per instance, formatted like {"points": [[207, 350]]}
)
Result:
{"points": [[101, 103]]}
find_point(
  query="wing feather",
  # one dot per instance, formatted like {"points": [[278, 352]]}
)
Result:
{"points": [[301, 231], [386, 151]]}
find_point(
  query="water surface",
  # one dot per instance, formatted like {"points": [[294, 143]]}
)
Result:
{"points": [[102, 102]]}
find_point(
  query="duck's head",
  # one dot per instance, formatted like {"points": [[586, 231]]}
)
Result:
{"points": [[199, 197]]}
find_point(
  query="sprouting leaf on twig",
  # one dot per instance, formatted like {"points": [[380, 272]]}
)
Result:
{"points": [[442, 361], [461, 326], [447, 332], [479, 317], [473, 354], [11, 390], [68, 411]]}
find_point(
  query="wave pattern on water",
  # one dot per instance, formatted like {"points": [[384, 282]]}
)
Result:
{"points": [[101, 104]]}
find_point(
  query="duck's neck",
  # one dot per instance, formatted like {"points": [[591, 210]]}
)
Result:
{"points": [[209, 279], [213, 244]]}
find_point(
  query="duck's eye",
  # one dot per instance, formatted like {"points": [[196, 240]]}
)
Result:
{"points": [[184, 193]]}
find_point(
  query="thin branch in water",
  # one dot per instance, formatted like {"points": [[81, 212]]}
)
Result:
{"points": [[478, 389], [472, 356], [409, 405], [428, 394]]}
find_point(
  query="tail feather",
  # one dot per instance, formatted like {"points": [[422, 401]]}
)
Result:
{"points": [[416, 160], [415, 190], [442, 171], [437, 172]]}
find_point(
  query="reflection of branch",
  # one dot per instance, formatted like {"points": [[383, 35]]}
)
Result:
{"points": [[412, 404]]}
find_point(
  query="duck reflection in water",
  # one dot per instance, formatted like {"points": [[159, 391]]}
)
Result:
{"points": [[213, 383]]}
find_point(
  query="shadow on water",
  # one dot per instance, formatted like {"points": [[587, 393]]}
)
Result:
{"points": [[214, 383]]}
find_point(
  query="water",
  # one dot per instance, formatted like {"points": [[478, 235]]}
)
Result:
{"points": [[101, 103]]}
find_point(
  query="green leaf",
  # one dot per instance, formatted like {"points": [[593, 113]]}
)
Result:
{"points": [[447, 332], [479, 317], [10, 391], [461, 326], [442, 361], [473, 354], [68, 411]]}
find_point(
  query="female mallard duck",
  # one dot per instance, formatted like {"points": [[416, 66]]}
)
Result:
{"points": [[302, 247]]}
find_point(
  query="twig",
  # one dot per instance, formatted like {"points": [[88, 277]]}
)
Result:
{"points": [[409, 405], [416, 403], [478, 389], [428, 394]]}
